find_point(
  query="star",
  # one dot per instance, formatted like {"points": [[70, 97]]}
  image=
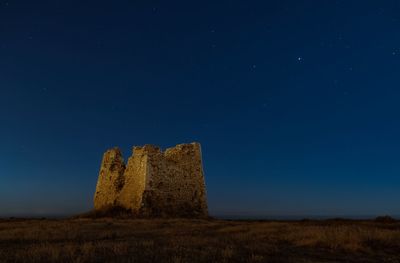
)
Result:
{"points": [[299, 59]]}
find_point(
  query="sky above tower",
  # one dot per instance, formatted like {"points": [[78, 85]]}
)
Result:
{"points": [[295, 103]]}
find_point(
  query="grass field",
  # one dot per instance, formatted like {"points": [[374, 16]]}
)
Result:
{"points": [[184, 240]]}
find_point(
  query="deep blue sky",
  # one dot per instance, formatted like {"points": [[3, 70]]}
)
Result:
{"points": [[295, 103]]}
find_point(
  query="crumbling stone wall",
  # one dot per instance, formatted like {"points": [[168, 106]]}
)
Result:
{"points": [[111, 179], [157, 183]]}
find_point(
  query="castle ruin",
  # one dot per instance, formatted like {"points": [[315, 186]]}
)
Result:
{"points": [[154, 183]]}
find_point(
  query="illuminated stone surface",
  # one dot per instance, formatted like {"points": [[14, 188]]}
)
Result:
{"points": [[154, 183]]}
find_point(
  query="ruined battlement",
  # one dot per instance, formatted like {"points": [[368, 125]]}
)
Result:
{"points": [[146, 149], [154, 183]]}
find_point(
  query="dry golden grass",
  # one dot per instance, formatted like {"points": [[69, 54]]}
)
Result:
{"points": [[184, 240]]}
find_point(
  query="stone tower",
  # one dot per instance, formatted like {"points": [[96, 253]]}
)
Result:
{"points": [[154, 183]]}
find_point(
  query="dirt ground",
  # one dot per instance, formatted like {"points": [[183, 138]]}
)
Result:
{"points": [[185, 240]]}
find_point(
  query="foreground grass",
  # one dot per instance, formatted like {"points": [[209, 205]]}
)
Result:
{"points": [[140, 240]]}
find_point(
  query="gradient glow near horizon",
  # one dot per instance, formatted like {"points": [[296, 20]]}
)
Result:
{"points": [[295, 103]]}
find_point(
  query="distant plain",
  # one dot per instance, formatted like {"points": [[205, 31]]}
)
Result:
{"points": [[190, 240]]}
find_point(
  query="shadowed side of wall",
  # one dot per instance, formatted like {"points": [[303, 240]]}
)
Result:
{"points": [[135, 179]]}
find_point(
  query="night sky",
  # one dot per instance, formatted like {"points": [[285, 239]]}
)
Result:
{"points": [[295, 103]]}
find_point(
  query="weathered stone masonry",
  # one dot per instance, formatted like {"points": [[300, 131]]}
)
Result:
{"points": [[154, 183]]}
